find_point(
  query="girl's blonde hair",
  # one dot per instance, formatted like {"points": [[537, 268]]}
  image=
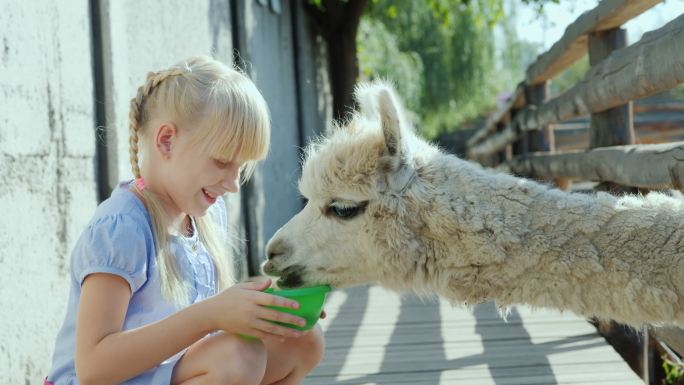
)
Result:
{"points": [[228, 119]]}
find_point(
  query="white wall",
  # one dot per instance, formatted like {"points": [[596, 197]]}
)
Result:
{"points": [[47, 142], [47, 187]]}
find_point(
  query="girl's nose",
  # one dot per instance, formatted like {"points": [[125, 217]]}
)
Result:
{"points": [[231, 182]]}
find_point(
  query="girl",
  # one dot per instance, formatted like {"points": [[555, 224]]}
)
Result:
{"points": [[144, 305]]}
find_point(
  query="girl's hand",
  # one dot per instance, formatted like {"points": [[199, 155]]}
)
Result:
{"points": [[241, 309]]}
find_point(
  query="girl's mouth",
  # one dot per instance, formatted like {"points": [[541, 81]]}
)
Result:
{"points": [[211, 198]]}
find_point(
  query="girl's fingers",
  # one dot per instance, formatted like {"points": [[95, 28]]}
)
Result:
{"points": [[258, 334], [275, 330], [274, 315], [266, 299], [259, 285]]}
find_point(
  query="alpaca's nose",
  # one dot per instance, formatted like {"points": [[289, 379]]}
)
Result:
{"points": [[277, 248]]}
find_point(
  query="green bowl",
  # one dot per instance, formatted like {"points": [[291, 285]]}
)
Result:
{"points": [[310, 300]]}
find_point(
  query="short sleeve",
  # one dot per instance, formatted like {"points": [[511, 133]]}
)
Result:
{"points": [[116, 245]]}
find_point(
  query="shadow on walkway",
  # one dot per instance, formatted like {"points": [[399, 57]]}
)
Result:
{"points": [[498, 368], [411, 344]]}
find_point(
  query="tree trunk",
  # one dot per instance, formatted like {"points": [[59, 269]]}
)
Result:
{"points": [[344, 71], [338, 23]]}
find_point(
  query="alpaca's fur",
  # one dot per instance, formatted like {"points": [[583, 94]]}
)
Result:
{"points": [[433, 223]]}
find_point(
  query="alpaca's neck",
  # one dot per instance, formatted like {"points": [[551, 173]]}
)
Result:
{"points": [[516, 241]]}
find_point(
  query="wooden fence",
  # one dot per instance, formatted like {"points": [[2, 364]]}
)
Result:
{"points": [[520, 137]]}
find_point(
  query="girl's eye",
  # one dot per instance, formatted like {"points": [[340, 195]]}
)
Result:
{"points": [[346, 212], [221, 164]]}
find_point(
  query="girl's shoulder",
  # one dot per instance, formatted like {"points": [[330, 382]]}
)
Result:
{"points": [[122, 204], [118, 240]]}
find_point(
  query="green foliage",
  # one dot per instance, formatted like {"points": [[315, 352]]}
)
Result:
{"points": [[674, 372], [484, 11], [678, 92], [381, 57], [539, 4], [441, 56], [568, 78], [454, 50]]}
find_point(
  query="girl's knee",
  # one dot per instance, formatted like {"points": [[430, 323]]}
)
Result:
{"points": [[235, 361], [311, 348]]}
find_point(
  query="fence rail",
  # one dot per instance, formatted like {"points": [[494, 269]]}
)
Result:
{"points": [[654, 64], [519, 137], [653, 166], [573, 45]]}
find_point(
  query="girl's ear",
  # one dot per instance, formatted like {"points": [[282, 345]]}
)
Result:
{"points": [[164, 139]]}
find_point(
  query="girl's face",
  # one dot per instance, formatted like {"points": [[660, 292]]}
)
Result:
{"points": [[193, 180]]}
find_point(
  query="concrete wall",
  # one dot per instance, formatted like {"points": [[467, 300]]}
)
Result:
{"points": [[47, 188], [267, 46], [287, 59], [66, 69]]}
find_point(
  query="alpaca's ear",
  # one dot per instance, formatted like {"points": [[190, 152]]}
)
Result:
{"points": [[377, 100], [391, 122]]}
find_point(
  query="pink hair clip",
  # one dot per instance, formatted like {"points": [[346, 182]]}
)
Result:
{"points": [[140, 183]]}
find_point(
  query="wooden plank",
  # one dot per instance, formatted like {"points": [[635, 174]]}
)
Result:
{"points": [[515, 101], [572, 46], [658, 107], [654, 64], [650, 165], [587, 374], [364, 338], [403, 340], [438, 363], [499, 350], [495, 142], [672, 336]]}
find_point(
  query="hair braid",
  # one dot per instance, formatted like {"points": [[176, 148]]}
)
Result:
{"points": [[136, 109]]}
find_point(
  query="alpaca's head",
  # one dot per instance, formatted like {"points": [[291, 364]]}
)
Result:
{"points": [[356, 181]]}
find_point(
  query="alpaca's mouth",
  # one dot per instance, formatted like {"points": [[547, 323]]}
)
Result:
{"points": [[290, 277], [289, 281]]}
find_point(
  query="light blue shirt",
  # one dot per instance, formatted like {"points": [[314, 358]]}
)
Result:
{"points": [[119, 240]]}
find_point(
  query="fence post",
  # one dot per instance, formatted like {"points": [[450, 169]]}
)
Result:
{"points": [[541, 140], [516, 147], [614, 126], [503, 155], [522, 145]]}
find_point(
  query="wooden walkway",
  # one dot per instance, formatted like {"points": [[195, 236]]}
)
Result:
{"points": [[376, 337]]}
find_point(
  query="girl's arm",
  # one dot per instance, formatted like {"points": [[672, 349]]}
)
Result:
{"points": [[107, 355]]}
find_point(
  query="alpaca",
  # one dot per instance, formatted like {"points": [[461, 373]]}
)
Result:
{"points": [[386, 207]]}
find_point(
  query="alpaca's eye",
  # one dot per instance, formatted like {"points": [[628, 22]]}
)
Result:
{"points": [[346, 212]]}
